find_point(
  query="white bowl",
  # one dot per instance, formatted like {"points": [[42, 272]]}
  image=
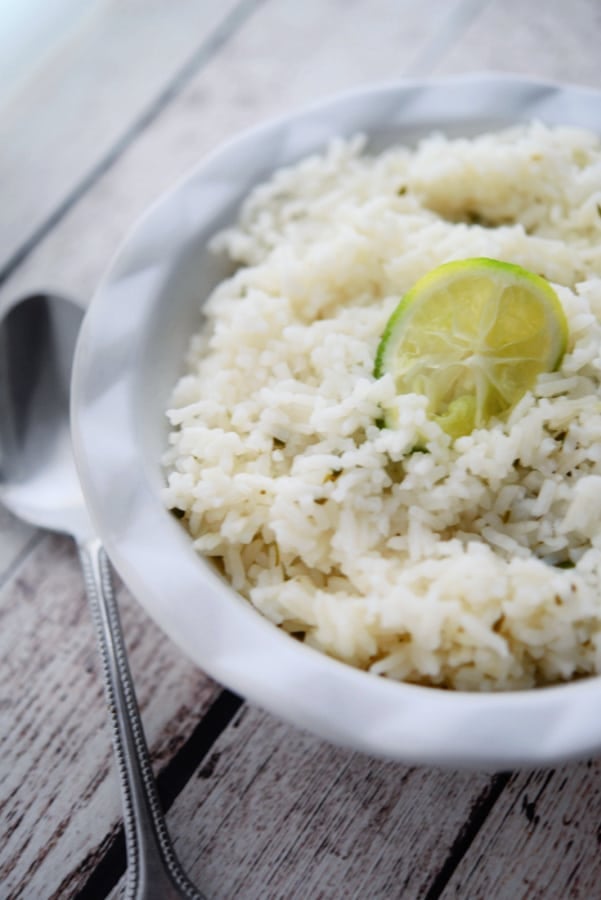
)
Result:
{"points": [[129, 356]]}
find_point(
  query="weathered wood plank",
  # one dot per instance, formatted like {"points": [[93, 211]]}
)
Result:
{"points": [[85, 96], [263, 71], [541, 840], [274, 812], [58, 793], [551, 40]]}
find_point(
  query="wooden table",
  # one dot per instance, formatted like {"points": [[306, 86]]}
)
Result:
{"points": [[257, 809]]}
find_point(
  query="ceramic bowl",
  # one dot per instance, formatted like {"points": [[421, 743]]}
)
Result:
{"points": [[130, 355]]}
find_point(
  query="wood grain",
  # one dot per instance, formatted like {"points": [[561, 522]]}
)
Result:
{"points": [[59, 801], [274, 812], [541, 840]]}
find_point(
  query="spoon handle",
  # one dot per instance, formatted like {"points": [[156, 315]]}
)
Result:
{"points": [[153, 872]]}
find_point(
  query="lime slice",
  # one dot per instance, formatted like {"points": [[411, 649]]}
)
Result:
{"points": [[472, 336]]}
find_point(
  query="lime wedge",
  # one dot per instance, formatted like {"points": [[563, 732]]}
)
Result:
{"points": [[472, 336]]}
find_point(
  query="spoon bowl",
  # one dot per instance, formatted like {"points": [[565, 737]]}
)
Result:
{"points": [[38, 479]]}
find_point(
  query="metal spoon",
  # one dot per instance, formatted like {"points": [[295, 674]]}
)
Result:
{"points": [[39, 483]]}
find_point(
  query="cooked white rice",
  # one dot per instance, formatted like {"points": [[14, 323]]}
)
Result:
{"points": [[474, 565]]}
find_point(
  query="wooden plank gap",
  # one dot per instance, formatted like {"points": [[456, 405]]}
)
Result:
{"points": [[107, 872], [170, 782], [220, 36], [183, 765], [445, 36], [479, 813]]}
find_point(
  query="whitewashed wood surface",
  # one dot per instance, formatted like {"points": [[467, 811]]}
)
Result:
{"points": [[257, 809]]}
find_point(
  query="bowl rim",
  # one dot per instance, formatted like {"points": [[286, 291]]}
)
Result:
{"points": [[407, 722]]}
